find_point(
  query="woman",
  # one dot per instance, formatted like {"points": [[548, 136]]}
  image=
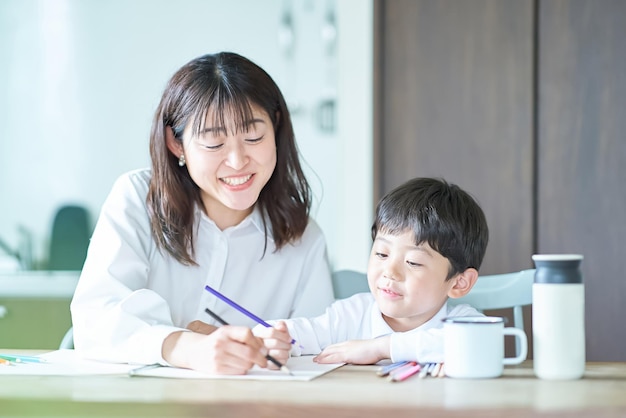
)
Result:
{"points": [[225, 204]]}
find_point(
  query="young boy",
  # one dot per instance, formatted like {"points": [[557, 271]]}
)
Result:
{"points": [[429, 241]]}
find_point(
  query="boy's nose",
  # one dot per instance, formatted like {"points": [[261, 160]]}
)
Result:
{"points": [[391, 274]]}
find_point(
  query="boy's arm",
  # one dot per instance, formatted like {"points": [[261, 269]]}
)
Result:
{"points": [[424, 346], [356, 351]]}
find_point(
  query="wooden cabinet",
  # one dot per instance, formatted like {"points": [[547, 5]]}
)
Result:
{"points": [[457, 103], [523, 104], [35, 308]]}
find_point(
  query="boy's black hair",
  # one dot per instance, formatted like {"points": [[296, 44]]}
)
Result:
{"points": [[439, 213]]}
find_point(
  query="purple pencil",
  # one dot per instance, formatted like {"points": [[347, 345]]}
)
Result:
{"points": [[240, 308]]}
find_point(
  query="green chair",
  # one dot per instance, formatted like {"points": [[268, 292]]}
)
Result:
{"points": [[69, 239]]}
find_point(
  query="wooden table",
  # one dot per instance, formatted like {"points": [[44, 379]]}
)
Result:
{"points": [[350, 391]]}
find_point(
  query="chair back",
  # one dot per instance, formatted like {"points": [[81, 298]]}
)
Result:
{"points": [[69, 239], [68, 340], [348, 282], [500, 291]]}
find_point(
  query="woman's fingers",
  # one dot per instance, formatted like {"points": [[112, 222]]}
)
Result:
{"points": [[277, 340], [227, 350], [242, 344], [276, 337]]}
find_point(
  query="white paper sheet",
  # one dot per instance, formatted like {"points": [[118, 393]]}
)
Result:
{"points": [[67, 363], [302, 368]]}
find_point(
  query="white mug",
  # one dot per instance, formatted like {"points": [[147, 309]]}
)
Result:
{"points": [[474, 346]]}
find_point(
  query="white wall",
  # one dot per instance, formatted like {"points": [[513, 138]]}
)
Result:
{"points": [[80, 79], [355, 135]]}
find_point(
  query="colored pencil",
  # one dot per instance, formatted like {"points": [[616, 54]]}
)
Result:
{"points": [[385, 370], [138, 370], [400, 370], [270, 358], [15, 358], [436, 370], [406, 372], [426, 368], [442, 372], [239, 308]]}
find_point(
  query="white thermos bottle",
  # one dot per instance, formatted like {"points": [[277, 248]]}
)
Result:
{"points": [[558, 317]]}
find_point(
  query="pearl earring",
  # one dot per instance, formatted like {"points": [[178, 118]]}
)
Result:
{"points": [[181, 160]]}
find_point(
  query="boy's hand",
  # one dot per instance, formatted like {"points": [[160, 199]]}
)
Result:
{"points": [[277, 340], [356, 352]]}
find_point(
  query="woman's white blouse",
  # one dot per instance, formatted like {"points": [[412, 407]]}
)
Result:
{"points": [[131, 296], [358, 318]]}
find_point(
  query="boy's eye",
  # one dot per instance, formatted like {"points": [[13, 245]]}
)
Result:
{"points": [[413, 263], [381, 255]]}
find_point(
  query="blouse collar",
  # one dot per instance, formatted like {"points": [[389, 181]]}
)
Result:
{"points": [[253, 220]]}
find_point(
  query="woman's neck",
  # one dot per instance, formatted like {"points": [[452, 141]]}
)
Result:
{"points": [[225, 217]]}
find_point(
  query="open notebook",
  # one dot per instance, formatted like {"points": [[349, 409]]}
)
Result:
{"points": [[67, 363]]}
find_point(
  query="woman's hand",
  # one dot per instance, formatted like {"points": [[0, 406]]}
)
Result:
{"points": [[226, 350], [356, 352], [201, 327], [277, 340]]}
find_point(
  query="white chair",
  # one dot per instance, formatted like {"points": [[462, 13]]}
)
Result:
{"points": [[497, 291], [68, 340]]}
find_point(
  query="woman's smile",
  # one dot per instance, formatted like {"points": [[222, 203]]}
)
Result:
{"points": [[236, 182]]}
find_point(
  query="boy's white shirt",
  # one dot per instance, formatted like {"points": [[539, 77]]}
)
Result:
{"points": [[358, 318]]}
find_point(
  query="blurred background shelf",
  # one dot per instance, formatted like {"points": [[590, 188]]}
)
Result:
{"points": [[35, 308]]}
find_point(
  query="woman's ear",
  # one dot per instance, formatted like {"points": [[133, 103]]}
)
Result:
{"points": [[464, 282], [173, 145]]}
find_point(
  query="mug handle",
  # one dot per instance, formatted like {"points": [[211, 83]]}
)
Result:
{"points": [[518, 333]]}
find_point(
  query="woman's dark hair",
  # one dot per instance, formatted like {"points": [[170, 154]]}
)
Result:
{"points": [[227, 84], [439, 213]]}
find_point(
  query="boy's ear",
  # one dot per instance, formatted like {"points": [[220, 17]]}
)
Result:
{"points": [[464, 282]]}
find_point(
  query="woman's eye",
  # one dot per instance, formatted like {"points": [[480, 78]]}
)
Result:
{"points": [[413, 263], [209, 142], [254, 140], [212, 147], [381, 255]]}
